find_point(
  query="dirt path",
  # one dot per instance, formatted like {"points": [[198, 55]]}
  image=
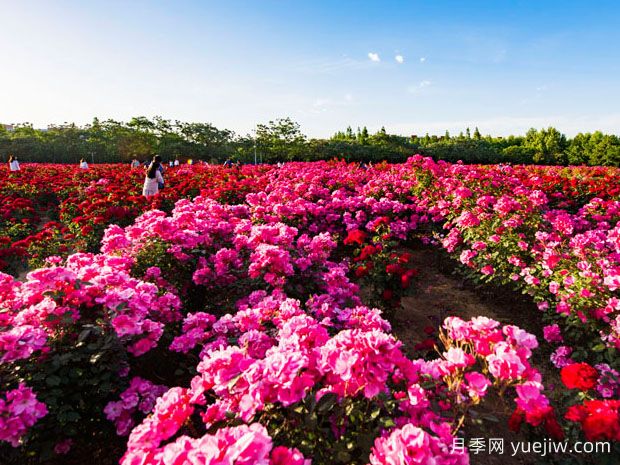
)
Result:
{"points": [[440, 293]]}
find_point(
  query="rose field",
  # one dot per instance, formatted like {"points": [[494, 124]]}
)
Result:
{"points": [[264, 315]]}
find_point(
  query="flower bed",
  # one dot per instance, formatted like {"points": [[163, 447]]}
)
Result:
{"points": [[224, 319]]}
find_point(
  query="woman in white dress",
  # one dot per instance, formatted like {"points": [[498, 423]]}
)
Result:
{"points": [[83, 164], [152, 180], [13, 164]]}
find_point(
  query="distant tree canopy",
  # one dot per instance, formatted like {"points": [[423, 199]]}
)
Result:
{"points": [[282, 140]]}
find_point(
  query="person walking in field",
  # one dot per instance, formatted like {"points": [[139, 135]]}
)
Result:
{"points": [[153, 179], [13, 163], [83, 164]]}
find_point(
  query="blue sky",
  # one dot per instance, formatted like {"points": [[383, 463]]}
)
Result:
{"points": [[501, 65]]}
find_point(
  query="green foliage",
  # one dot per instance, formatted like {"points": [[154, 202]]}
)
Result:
{"points": [[76, 379], [548, 146], [329, 430], [282, 140]]}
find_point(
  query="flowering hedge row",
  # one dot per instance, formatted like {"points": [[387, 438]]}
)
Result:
{"points": [[243, 308]]}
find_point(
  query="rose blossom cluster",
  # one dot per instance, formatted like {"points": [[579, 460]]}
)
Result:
{"points": [[568, 261], [87, 286], [89, 308], [560, 248], [599, 419], [139, 396], [412, 445], [19, 410], [503, 353], [280, 368], [240, 445], [301, 360]]}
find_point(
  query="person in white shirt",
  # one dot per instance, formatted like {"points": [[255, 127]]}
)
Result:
{"points": [[13, 164], [83, 164], [176, 162], [152, 180]]}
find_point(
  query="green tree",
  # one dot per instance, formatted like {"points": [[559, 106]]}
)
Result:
{"points": [[548, 145], [281, 140], [363, 135], [206, 141]]}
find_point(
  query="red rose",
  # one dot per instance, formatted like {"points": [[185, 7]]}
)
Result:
{"points": [[86, 230], [406, 278], [553, 428], [426, 344], [576, 413], [579, 376], [394, 268], [355, 236], [600, 419], [603, 421], [515, 420], [361, 271], [368, 251]]}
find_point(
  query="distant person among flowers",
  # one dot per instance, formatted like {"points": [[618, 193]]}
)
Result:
{"points": [[13, 163], [135, 163], [161, 169], [153, 179], [176, 162], [83, 164]]}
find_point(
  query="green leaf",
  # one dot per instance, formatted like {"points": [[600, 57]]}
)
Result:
{"points": [[387, 422], [83, 335], [327, 402], [53, 380]]}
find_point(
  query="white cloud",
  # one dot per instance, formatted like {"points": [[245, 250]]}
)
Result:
{"points": [[399, 59], [422, 59], [327, 104], [416, 89], [374, 56]]}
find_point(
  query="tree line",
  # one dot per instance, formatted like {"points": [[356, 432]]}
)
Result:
{"points": [[282, 140]]}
